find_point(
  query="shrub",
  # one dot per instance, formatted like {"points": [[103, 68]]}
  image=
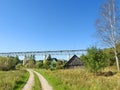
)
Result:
{"points": [[95, 59], [19, 66], [47, 64], [39, 65], [7, 63], [30, 64], [59, 64]]}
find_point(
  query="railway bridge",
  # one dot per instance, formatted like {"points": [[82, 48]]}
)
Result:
{"points": [[44, 54]]}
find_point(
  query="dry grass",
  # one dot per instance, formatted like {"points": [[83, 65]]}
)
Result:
{"points": [[81, 79], [13, 80]]}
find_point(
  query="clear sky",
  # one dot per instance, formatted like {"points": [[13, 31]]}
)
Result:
{"points": [[37, 25]]}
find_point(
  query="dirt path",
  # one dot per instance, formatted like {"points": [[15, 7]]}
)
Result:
{"points": [[44, 83], [30, 82]]}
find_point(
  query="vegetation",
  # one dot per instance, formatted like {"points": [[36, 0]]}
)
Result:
{"points": [[55, 82], [49, 63], [19, 66], [30, 61], [37, 85], [39, 64], [80, 79], [95, 59], [13, 80], [108, 26], [30, 64], [110, 53], [7, 63], [53, 63], [60, 64]]}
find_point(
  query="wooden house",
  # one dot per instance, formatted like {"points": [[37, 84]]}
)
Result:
{"points": [[74, 62]]}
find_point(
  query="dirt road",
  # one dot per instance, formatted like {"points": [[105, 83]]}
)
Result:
{"points": [[44, 83], [30, 82]]}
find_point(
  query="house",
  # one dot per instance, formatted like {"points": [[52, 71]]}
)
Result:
{"points": [[74, 62]]}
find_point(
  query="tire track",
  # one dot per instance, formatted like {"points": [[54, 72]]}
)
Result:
{"points": [[30, 82], [43, 81]]}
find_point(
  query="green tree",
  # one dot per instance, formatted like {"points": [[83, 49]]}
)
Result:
{"points": [[15, 61], [30, 61], [47, 64], [30, 64], [59, 64], [110, 56], [39, 64], [7, 63], [95, 59], [19, 66], [49, 58]]}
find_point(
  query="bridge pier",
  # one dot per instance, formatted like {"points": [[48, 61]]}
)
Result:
{"points": [[68, 57], [24, 60], [44, 58]]}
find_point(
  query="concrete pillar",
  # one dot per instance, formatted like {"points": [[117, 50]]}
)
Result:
{"points": [[44, 58], [68, 57], [24, 60]]}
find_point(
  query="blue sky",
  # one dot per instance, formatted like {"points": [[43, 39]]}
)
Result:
{"points": [[37, 25]]}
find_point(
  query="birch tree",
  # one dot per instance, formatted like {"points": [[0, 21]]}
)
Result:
{"points": [[108, 26]]}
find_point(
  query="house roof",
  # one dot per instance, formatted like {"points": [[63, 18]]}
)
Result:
{"points": [[74, 61]]}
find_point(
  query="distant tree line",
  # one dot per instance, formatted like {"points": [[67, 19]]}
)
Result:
{"points": [[7, 63]]}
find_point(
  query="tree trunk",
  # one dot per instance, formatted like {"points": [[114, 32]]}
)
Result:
{"points": [[117, 60]]}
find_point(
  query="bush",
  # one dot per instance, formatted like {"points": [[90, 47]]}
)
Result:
{"points": [[47, 64], [59, 64], [7, 63], [95, 59], [19, 66], [30, 64], [39, 65]]}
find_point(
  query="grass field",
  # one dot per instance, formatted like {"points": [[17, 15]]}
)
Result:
{"points": [[80, 79], [13, 80]]}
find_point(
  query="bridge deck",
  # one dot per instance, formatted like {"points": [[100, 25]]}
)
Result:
{"points": [[57, 52]]}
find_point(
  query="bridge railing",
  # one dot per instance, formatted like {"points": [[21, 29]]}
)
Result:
{"points": [[37, 53]]}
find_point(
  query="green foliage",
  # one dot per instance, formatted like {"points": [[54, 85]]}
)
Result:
{"points": [[110, 56], [53, 65], [37, 85], [7, 63], [49, 58], [29, 61], [23, 79], [30, 64], [59, 64], [50, 63], [19, 66], [39, 64], [47, 64], [95, 59]]}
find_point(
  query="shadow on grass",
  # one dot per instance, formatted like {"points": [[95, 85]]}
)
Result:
{"points": [[18, 85], [106, 74]]}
